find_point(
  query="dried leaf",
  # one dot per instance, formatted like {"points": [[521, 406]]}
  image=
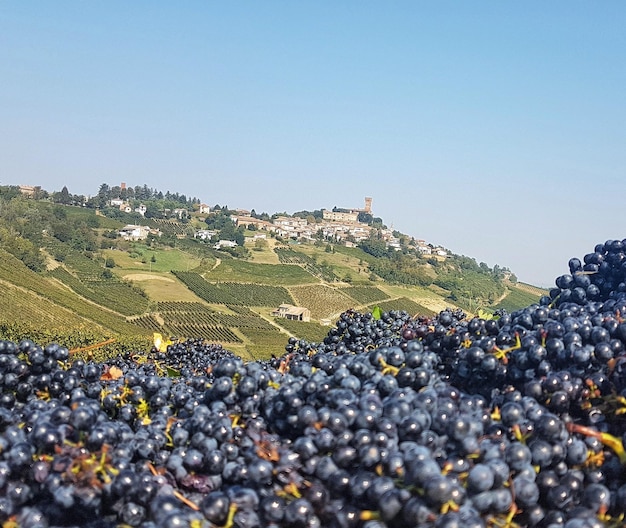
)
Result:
{"points": [[113, 373]]}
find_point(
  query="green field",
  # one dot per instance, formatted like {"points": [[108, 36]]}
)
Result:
{"points": [[273, 274], [166, 259]]}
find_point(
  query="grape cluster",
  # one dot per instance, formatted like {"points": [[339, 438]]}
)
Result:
{"points": [[398, 421]]}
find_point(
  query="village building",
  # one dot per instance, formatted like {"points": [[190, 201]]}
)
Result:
{"points": [[141, 209], [340, 216], [250, 220], [224, 244], [29, 190], [134, 232], [205, 234]]}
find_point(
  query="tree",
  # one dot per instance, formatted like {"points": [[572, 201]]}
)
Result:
{"points": [[365, 218], [374, 246], [63, 197], [239, 236], [152, 210], [260, 244], [103, 195]]}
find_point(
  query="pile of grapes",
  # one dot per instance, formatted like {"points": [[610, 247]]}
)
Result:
{"points": [[513, 421]]}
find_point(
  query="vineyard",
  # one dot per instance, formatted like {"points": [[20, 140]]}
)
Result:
{"points": [[204, 289], [365, 294], [233, 293], [172, 227], [181, 306], [86, 342], [515, 297], [113, 294], [14, 271], [406, 304], [265, 343], [241, 310], [27, 306], [192, 319], [323, 301], [217, 334], [84, 267], [175, 313], [312, 332], [257, 294], [289, 256], [147, 321], [244, 321], [533, 290]]}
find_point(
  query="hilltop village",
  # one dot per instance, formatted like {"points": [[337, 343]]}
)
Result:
{"points": [[147, 208], [347, 226]]}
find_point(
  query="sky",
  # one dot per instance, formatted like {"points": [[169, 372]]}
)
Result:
{"points": [[495, 129]]}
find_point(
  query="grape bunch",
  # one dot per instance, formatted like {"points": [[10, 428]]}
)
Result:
{"points": [[394, 421]]}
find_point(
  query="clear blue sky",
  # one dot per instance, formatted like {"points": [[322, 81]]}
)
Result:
{"points": [[496, 129]]}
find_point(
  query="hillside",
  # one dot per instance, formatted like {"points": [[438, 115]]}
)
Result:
{"points": [[69, 276]]}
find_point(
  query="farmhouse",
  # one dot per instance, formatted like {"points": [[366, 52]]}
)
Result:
{"points": [[295, 313]]}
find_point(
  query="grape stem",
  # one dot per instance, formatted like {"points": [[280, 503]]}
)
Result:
{"points": [[607, 439]]}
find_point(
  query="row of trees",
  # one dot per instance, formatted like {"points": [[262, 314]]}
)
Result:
{"points": [[141, 193], [156, 201]]}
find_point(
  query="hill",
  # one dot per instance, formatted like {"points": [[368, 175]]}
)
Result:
{"points": [[74, 275]]}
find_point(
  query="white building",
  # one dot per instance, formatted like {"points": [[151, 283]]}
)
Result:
{"points": [[225, 243], [134, 232]]}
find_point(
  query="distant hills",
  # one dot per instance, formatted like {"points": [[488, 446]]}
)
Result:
{"points": [[126, 263]]}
